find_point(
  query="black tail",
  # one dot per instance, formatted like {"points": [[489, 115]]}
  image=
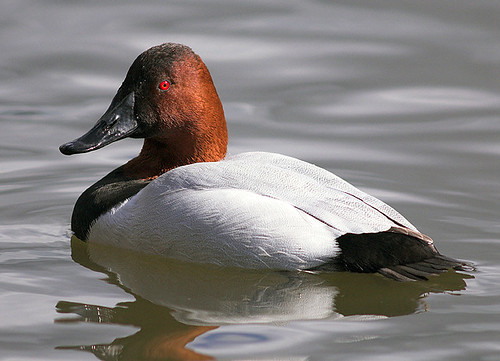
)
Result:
{"points": [[424, 269], [400, 254]]}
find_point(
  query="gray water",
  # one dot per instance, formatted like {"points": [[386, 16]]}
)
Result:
{"points": [[401, 98]]}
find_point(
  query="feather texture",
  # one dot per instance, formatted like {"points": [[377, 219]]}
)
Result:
{"points": [[254, 210]]}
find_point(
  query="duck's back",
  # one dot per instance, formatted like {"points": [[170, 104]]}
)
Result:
{"points": [[307, 187]]}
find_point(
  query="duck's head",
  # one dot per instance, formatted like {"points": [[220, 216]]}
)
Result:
{"points": [[169, 99]]}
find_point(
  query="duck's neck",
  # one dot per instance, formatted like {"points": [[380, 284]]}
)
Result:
{"points": [[159, 155]]}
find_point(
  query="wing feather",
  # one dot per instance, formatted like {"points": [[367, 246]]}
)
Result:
{"points": [[309, 188]]}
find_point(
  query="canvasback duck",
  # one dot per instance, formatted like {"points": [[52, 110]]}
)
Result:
{"points": [[181, 197]]}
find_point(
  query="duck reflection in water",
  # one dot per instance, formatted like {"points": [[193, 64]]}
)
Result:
{"points": [[178, 302]]}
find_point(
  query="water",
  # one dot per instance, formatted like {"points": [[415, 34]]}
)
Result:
{"points": [[400, 98]]}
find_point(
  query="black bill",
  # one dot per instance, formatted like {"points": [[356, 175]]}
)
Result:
{"points": [[117, 123]]}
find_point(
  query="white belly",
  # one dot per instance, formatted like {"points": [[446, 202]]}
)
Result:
{"points": [[229, 227]]}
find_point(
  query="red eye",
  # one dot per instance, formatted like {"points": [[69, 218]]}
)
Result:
{"points": [[164, 85]]}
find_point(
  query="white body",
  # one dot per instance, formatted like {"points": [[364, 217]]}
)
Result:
{"points": [[253, 210]]}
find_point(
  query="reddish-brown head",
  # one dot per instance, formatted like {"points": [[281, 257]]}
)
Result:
{"points": [[169, 99]]}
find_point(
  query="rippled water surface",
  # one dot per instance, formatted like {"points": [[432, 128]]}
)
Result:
{"points": [[400, 98]]}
